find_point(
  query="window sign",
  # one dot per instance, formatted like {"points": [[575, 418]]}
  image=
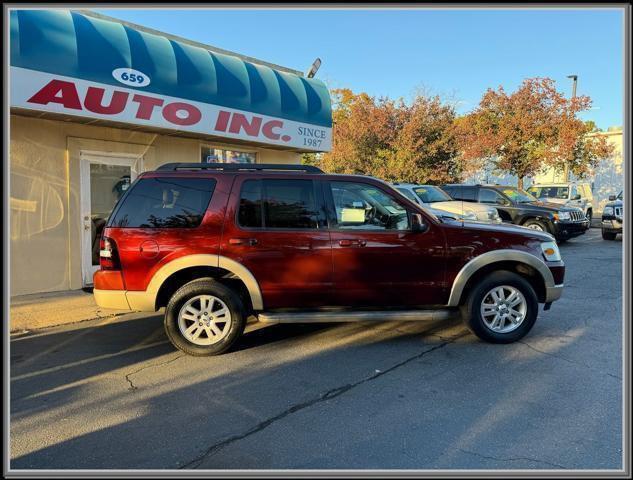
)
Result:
{"points": [[220, 155]]}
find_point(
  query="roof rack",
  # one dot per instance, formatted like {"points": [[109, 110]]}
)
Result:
{"points": [[236, 167]]}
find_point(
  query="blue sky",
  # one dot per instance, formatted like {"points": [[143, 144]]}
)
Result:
{"points": [[455, 53]]}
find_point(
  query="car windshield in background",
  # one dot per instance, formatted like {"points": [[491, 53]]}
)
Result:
{"points": [[432, 194], [550, 192], [518, 195]]}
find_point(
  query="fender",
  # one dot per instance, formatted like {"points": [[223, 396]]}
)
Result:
{"points": [[146, 300], [494, 256]]}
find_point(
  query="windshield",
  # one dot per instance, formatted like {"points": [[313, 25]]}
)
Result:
{"points": [[550, 192], [430, 194], [517, 195]]}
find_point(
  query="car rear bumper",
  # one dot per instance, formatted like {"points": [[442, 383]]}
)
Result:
{"points": [[111, 299]]}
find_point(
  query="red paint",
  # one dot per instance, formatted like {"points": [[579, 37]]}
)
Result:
{"points": [[146, 105], [310, 268], [170, 113], [239, 122], [58, 91], [94, 101]]}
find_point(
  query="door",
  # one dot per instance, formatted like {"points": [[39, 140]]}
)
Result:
{"points": [[378, 260], [504, 207], [277, 229], [103, 180]]}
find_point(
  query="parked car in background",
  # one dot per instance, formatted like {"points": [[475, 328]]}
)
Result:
{"points": [[612, 217], [519, 207], [434, 197], [571, 194], [217, 243]]}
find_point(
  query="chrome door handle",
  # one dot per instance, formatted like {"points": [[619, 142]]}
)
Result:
{"points": [[243, 241]]}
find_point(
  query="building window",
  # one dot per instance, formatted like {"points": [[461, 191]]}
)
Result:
{"points": [[220, 155]]}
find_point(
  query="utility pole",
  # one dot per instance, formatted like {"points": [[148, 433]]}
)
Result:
{"points": [[574, 79]]}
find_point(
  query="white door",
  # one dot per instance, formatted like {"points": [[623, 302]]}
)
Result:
{"points": [[104, 179]]}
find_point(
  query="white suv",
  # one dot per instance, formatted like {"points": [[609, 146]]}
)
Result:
{"points": [[435, 198], [571, 194]]}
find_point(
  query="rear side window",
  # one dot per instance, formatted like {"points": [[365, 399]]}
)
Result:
{"points": [[461, 193], [278, 203], [164, 203]]}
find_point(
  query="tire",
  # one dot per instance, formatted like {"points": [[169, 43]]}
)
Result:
{"points": [[180, 319], [589, 216], [608, 235], [471, 308], [536, 225]]}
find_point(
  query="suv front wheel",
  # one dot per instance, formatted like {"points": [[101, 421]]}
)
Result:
{"points": [[502, 308], [204, 318]]}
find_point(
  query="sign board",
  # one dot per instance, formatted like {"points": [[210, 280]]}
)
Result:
{"points": [[35, 90]]}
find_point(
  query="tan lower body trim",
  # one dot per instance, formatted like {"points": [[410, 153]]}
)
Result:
{"points": [[142, 301], [115, 299]]}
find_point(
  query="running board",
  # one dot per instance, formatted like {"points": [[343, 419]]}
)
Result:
{"points": [[356, 316]]}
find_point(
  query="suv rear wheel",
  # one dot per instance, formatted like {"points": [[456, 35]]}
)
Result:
{"points": [[502, 308], [204, 318]]}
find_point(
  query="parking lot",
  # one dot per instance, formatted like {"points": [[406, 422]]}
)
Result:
{"points": [[114, 393]]}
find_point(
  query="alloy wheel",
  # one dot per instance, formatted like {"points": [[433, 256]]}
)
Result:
{"points": [[503, 309], [204, 320]]}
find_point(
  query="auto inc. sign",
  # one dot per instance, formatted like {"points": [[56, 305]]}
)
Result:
{"points": [[36, 90]]}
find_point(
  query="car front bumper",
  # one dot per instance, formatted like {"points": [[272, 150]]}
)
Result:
{"points": [[553, 293], [565, 230], [612, 225]]}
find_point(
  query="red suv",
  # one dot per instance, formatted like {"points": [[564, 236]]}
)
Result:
{"points": [[217, 243]]}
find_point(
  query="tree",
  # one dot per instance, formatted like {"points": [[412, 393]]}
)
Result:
{"points": [[523, 132], [391, 140]]}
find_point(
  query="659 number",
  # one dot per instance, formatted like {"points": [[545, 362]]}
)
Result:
{"points": [[129, 76]]}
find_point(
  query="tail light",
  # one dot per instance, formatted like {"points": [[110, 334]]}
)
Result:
{"points": [[108, 255]]}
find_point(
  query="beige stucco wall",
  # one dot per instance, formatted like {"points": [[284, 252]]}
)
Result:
{"points": [[45, 223]]}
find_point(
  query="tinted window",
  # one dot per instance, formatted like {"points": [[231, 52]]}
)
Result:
{"points": [[549, 192], [362, 206], [407, 193], [165, 203], [251, 206], [487, 195], [278, 204], [430, 194], [461, 193]]}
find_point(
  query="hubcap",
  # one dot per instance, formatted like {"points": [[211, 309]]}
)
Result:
{"points": [[503, 309], [535, 226], [204, 320]]}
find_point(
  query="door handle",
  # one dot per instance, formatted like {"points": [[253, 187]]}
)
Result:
{"points": [[243, 241], [349, 243]]}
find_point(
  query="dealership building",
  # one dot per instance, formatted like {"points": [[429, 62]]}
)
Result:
{"points": [[95, 101]]}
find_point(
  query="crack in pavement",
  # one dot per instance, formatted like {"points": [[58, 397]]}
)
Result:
{"points": [[573, 362], [513, 459], [129, 380], [330, 394]]}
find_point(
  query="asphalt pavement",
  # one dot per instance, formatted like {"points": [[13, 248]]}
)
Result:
{"points": [[114, 394]]}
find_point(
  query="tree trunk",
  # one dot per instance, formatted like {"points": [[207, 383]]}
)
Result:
{"points": [[520, 183]]}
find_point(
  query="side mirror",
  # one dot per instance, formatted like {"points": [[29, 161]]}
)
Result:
{"points": [[417, 223], [576, 197], [612, 198]]}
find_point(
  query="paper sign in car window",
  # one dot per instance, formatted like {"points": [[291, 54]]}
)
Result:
{"points": [[353, 215]]}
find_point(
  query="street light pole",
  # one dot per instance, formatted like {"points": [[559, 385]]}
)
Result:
{"points": [[574, 79]]}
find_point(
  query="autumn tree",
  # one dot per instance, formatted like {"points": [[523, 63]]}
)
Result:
{"points": [[390, 139], [528, 130]]}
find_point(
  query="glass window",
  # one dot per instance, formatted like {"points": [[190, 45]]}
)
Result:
{"points": [[250, 211], [430, 194], [409, 194], [518, 195], [165, 203], [220, 155], [278, 204], [458, 192], [549, 192], [361, 206], [487, 195]]}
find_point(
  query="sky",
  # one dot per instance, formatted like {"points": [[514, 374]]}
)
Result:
{"points": [[455, 53]]}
